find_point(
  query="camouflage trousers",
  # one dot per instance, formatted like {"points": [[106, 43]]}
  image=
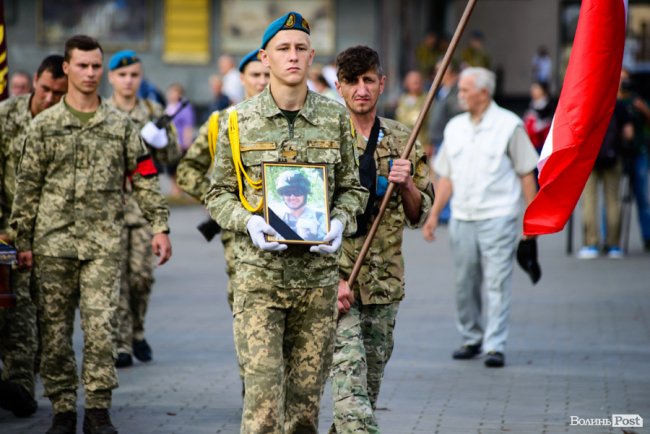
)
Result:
{"points": [[135, 288], [364, 344], [62, 285], [18, 334], [284, 339], [227, 238]]}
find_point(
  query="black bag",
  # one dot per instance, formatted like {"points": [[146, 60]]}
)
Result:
{"points": [[610, 148], [368, 179], [613, 146]]}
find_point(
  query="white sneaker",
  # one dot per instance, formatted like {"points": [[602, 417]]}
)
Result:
{"points": [[615, 253], [588, 252]]}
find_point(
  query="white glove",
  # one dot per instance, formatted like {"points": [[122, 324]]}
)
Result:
{"points": [[154, 136], [335, 235], [257, 227]]}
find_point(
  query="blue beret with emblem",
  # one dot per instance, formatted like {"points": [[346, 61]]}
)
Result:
{"points": [[253, 56], [123, 58], [288, 21]]}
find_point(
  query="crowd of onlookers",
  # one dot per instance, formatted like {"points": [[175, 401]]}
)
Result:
{"points": [[622, 164]]}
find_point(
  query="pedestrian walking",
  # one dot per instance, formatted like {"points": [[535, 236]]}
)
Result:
{"points": [[368, 310], [284, 297], [125, 75], [68, 219], [488, 161], [18, 332]]}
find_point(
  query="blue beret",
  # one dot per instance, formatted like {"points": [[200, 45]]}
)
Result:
{"points": [[253, 56], [123, 58], [289, 21]]}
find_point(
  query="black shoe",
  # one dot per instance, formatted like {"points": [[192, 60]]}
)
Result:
{"points": [[142, 350], [495, 359], [98, 421], [63, 423], [16, 399], [467, 352], [123, 360]]}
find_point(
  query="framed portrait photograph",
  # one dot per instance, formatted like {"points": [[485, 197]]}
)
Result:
{"points": [[295, 202]]}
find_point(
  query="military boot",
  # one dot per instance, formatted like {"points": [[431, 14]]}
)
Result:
{"points": [[15, 398], [63, 423], [98, 421]]}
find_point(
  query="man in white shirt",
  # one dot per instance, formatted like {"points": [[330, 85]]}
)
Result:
{"points": [[232, 86], [488, 161]]}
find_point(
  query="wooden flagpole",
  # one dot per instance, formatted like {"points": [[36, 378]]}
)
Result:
{"points": [[411, 141]]}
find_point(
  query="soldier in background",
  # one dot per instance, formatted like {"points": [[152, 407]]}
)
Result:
{"points": [[125, 75], [193, 170], [18, 333], [364, 334], [68, 218], [285, 297]]}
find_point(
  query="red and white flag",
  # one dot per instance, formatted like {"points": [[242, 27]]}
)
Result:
{"points": [[583, 113]]}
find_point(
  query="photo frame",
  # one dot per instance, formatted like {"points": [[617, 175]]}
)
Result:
{"points": [[296, 202]]}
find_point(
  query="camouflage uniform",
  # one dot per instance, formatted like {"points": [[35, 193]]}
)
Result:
{"points": [[364, 335], [285, 302], [137, 265], [192, 178], [407, 112], [69, 211], [18, 335]]}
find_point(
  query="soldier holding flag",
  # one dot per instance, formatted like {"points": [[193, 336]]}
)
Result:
{"points": [[367, 312]]}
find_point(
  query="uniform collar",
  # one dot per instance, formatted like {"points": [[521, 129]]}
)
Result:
{"points": [[270, 109], [71, 120], [363, 142]]}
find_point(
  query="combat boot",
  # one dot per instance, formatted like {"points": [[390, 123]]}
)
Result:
{"points": [[15, 398], [98, 421], [63, 423], [142, 350]]}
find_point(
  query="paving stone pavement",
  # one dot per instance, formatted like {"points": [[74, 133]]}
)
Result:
{"points": [[579, 346]]}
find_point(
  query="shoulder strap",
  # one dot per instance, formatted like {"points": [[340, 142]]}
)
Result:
{"points": [[233, 136], [372, 140], [213, 133], [368, 179]]}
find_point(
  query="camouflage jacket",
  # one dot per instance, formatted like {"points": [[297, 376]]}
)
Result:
{"points": [[143, 112], [407, 112], [15, 116], [320, 134], [381, 278], [192, 171], [69, 198]]}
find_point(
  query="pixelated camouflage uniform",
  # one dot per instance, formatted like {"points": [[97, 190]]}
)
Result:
{"points": [[192, 177], [364, 335], [69, 211], [18, 335], [137, 264], [285, 302]]}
